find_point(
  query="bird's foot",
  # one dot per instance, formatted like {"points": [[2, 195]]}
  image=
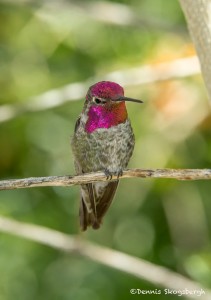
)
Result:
{"points": [[109, 174]]}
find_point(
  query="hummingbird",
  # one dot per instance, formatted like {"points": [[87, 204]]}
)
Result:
{"points": [[103, 140]]}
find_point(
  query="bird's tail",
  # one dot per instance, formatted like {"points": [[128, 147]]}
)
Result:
{"points": [[95, 201]]}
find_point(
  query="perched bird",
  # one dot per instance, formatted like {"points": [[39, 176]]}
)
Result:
{"points": [[103, 141]]}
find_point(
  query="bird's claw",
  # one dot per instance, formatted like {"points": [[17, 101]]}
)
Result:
{"points": [[109, 174], [120, 173]]}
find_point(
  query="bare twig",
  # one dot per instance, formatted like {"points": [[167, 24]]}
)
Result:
{"points": [[68, 180], [157, 275]]}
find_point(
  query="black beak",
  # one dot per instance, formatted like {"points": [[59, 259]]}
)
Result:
{"points": [[123, 98]]}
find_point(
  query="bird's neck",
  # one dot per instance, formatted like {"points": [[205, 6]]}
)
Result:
{"points": [[105, 116]]}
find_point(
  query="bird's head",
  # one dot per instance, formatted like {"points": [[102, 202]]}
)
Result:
{"points": [[105, 101], [107, 93]]}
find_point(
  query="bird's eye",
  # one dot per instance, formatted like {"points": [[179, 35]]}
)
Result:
{"points": [[97, 100]]}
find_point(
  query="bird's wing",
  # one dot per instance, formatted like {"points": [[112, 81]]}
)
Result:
{"points": [[105, 193], [77, 123], [87, 212]]}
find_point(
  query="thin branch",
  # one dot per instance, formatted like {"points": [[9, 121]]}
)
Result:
{"points": [[198, 16], [157, 275], [68, 180], [177, 68]]}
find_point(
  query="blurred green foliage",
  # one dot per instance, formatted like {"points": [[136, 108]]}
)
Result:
{"points": [[46, 45]]}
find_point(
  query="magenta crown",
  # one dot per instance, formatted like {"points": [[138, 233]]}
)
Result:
{"points": [[105, 90]]}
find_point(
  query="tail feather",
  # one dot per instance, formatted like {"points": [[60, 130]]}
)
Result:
{"points": [[95, 202]]}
